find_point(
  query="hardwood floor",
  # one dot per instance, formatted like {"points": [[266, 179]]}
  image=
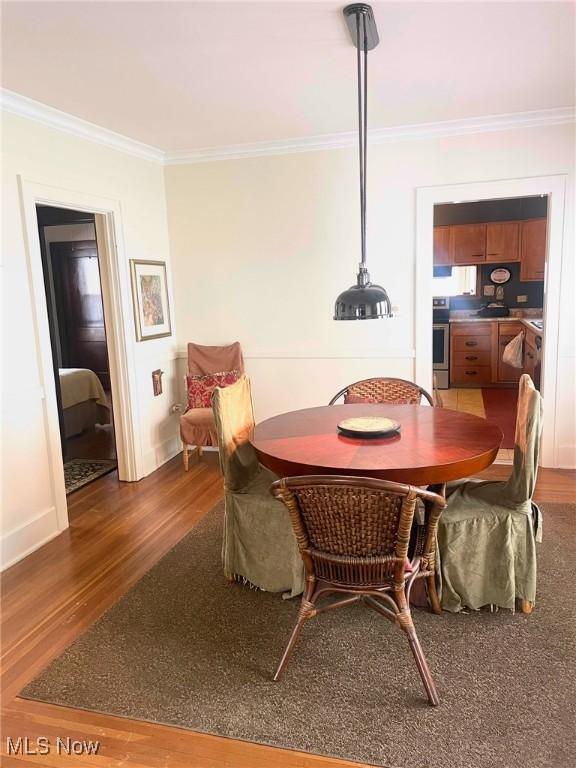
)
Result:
{"points": [[117, 532], [92, 444]]}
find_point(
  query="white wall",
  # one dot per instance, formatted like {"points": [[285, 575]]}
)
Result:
{"points": [[261, 247], [47, 156]]}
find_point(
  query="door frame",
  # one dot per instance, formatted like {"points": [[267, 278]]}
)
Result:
{"points": [[426, 198], [116, 294]]}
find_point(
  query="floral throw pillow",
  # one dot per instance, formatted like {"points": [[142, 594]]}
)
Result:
{"points": [[200, 388]]}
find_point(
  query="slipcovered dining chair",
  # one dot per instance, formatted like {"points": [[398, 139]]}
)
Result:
{"points": [[197, 424], [383, 390], [353, 534], [259, 546], [487, 535]]}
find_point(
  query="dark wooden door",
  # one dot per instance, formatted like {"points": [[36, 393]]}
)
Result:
{"points": [[80, 311]]}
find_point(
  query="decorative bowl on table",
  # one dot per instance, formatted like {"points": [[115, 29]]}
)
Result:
{"points": [[368, 426]]}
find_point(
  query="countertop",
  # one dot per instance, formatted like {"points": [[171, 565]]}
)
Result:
{"points": [[527, 321]]}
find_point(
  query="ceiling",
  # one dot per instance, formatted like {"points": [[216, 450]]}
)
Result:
{"points": [[189, 75]]}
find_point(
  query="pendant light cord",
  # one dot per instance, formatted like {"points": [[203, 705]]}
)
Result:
{"points": [[362, 122]]}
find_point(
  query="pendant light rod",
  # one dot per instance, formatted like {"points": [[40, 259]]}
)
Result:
{"points": [[362, 25], [362, 123], [365, 300]]}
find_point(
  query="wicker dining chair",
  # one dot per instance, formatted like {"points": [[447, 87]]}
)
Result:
{"points": [[383, 390], [353, 534]]}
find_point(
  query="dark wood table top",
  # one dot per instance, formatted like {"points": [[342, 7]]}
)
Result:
{"points": [[435, 445]]}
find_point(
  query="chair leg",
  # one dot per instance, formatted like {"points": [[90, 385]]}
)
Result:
{"points": [[433, 594], [307, 609], [527, 606], [422, 665], [290, 647], [404, 621], [185, 456], [200, 451]]}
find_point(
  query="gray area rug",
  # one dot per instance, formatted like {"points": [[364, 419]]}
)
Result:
{"points": [[80, 472], [187, 649]]}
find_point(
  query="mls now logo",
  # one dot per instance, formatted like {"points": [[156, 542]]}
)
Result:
{"points": [[43, 746]]}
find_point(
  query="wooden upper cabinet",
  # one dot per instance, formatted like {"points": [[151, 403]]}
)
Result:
{"points": [[468, 243], [442, 256], [502, 241], [532, 249]]}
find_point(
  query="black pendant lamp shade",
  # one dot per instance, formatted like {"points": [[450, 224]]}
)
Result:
{"points": [[365, 300]]}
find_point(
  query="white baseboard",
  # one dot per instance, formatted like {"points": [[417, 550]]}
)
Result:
{"points": [[162, 453], [566, 457], [21, 541]]}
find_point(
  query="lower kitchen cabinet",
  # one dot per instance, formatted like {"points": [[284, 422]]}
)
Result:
{"points": [[532, 344], [476, 350], [470, 354], [506, 332]]}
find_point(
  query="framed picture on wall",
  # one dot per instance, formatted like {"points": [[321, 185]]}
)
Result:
{"points": [[150, 299]]}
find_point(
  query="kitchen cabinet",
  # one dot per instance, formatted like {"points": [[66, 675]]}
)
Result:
{"points": [[502, 241], [468, 243], [506, 332], [532, 345], [470, 354], [532, 249], [442, 257], [476, 350], [530, 359]]}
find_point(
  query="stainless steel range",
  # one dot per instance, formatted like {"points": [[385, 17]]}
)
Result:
{"points": [[441, 341]]}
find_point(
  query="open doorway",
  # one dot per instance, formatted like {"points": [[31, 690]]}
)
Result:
{"points": [[72, 282], [488, 304]]}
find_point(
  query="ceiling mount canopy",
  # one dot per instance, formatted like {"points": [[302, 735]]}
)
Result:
{"points": [[365, 300]]}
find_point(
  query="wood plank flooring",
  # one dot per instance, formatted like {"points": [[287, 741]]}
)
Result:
{"points": [[118, 531]]}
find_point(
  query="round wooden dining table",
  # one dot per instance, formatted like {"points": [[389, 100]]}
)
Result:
{"points": [[433, 446]]}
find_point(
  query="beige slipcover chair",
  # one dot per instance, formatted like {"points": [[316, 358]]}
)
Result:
{"points": [[197, 424], [259, 545], [488, 532]]}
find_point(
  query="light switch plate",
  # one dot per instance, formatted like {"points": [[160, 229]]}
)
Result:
{"points": [[157, 382], [521, 299], [488, 290]]}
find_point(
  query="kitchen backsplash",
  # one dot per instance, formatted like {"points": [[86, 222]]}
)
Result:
{"points": [[533, 290]]}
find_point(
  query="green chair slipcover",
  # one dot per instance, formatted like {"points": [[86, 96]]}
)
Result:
{"points": [[259, 545], [488, 532]]}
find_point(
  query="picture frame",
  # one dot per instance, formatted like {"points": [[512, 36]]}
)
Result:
{"points": [[150, 299]]}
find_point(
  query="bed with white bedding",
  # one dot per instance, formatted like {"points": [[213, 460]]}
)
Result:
{"points": [[84, 401]]}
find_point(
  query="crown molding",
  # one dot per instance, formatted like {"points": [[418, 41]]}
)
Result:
{"points": [[54, 118], [446, 128], [62, 121]]}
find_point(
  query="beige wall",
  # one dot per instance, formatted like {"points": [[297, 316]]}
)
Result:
{"points": [[47, 156], [261, 247]]}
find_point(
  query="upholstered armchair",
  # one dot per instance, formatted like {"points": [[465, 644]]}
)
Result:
{"points": [[259, 545], [197, 424], [488, 532]]}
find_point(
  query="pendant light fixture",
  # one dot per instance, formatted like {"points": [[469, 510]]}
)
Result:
{"points": [[363, 301]]}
